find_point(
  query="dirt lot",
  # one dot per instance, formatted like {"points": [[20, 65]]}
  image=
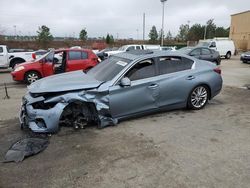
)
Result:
{"points": [[206, 148]]}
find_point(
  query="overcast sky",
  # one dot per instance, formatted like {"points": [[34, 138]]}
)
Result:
{"points": [[117, 17]]}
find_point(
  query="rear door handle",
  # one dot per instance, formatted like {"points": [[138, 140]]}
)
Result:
{"points": [[191, 77]]}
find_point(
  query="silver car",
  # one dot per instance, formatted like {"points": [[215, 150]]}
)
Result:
{"points": [[125, 85]]}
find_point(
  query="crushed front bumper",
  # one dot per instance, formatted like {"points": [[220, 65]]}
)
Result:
{"points": [[40, 120]]}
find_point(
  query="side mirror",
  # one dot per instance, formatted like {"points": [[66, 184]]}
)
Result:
{"points": [[125, 82], [41, 61]]}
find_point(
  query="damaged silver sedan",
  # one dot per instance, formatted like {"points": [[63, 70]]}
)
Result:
{"points": [[125, 85]]}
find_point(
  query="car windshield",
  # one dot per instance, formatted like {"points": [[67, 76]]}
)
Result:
{"points": [[203, 44], [123, 48], [109, 68], [43, 56], [185, 50]]}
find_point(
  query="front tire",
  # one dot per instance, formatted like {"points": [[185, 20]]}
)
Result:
{"points": [[31, 77], [198, 97], [228, 55]]}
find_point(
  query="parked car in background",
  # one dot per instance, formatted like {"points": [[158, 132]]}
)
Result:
{"points": [[11, 59], [12, 50], [245, 57], [132, 47], [171, 48], [202, 53], [49, 64], [125, 85], [101, 54], [224, 46]]}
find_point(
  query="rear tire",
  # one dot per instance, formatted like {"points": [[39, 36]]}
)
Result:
{"points": [[228, 55], [198, 97], [31, 77]]}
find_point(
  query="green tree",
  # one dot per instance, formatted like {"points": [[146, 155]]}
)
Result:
{"points": [[210, 29], [196, 32], [222, 32], [153, 34], [183, 32], [109, 39], [44, 36], [169, 36], [83, 35]]}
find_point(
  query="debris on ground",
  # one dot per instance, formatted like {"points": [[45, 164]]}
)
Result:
{"points": [[25, 148]]}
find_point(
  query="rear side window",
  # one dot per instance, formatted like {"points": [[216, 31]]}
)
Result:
{"points": [[84, 55], [167, 65], [1, 49], [75, 55], [138, 47], [205, 51]]}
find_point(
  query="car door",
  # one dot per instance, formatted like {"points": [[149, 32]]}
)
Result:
{"points": [[175, 79], [196, 53], [207, 54], [77, 60], [140, 96], [47, 64], [3, 57]]}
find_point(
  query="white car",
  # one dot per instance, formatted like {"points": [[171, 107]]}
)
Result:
{"points": [[11, 59], [131, 47], [224, 46], [168, 48]]}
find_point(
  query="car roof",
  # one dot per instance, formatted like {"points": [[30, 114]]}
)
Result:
{"points": [[139, 54], [72, 49]]}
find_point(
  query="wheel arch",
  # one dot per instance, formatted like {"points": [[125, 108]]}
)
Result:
{"points": [[13, 60]]}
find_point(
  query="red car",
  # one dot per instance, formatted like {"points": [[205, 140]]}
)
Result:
{"points": [[55, 62]]}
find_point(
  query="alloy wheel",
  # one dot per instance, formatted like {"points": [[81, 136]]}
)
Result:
{"points": [[199, 97]]}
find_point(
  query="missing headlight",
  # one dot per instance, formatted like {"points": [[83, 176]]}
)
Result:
{"points": [[42, 105]]}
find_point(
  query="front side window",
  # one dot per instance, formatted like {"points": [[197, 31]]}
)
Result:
{"points": [[205, 51], [213, 45], [138, 47], [167, 65], [142, 70], [195, 52], [1, 49], [130, 48], [75, 55], [84, 55]]}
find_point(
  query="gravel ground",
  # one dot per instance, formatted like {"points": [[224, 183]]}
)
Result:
{"points": [[180, 148]]}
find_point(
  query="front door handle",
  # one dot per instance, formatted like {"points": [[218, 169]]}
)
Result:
{"points": [[153, 86], [191, 77]]}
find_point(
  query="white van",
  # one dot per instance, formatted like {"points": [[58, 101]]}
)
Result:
{"points": [[224, 46]]}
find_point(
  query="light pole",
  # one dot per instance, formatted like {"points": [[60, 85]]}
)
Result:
{"points": [[162, 26]]}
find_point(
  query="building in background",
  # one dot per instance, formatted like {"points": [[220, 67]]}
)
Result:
{"points": [[240, 30]]}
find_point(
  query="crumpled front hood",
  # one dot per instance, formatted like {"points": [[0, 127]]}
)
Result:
{"points": [[64, 82]]}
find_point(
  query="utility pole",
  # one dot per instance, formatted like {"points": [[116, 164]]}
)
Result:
{"points": [[143, 37], [14, 31], [162, 27], [205, 33]]}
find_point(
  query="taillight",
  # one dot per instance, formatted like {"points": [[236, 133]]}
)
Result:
{"points": [[95, 59], [217, 70]]}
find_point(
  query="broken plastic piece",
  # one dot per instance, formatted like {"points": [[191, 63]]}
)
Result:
{"points": [[25, 148]]}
